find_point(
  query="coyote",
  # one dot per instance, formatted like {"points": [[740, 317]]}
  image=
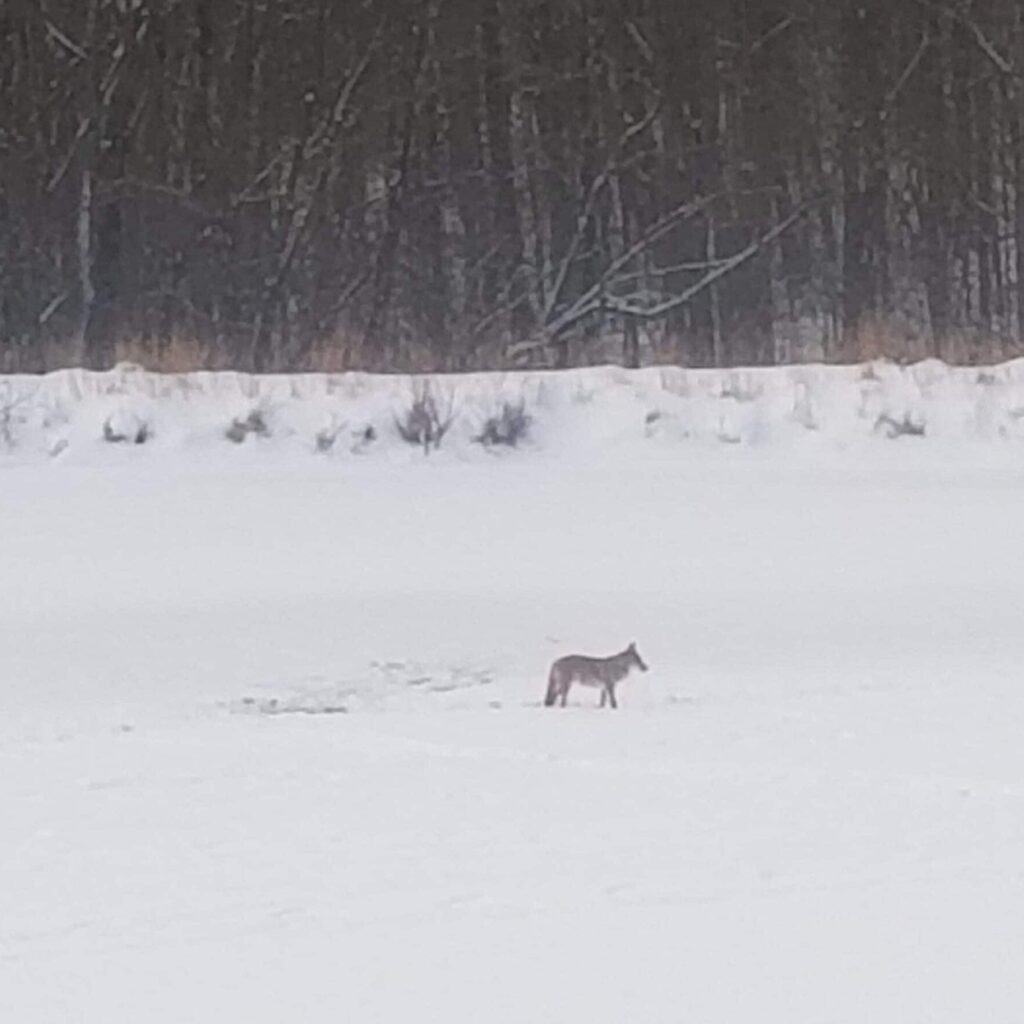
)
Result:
{"points": [[603, 672]]}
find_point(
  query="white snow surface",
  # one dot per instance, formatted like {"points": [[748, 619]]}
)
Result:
{"points": [[272, 745], [70, 413]]}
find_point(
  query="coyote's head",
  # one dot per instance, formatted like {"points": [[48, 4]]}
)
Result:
{"points": [[634, 657]]}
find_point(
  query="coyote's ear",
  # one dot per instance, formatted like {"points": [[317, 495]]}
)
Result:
{"points": [[632, 645]]}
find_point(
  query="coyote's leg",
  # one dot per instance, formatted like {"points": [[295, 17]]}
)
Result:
{"points": [[565, 692], [604, 696], [611, 696]]}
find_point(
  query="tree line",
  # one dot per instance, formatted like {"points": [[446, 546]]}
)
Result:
{"points": [[455, 184]]}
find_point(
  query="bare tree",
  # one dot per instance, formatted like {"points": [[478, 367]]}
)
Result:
{"points": [[478, 183]]}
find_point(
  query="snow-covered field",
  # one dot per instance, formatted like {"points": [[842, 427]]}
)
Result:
{"points": [[271, 742]]}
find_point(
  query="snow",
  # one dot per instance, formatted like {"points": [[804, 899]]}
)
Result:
{"points": [[272, 745], [70, 414]]}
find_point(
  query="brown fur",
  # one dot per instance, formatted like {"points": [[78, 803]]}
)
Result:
{"points": [[603, 672]]}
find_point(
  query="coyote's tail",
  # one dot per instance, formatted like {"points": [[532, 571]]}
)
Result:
{"points": [[549, 697]]}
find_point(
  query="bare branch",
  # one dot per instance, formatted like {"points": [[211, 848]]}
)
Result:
{"points": [[591, 299], [51, 307], [312, 186], [986, 45], [907, 74], [689, 267], [641, 43], [594, 299], [69, 44], [960, 14], [596, 187], [774, 31], [726, 267], [509, 303], [347, 294], [58, 176], [113, 75]]}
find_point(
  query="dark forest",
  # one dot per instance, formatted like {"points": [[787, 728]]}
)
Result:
{"points": [[442, 185]]}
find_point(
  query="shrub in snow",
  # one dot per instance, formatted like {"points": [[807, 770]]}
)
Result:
{"points": [[364, 438], [325, 440], [509, 426], [908, 426], [12, 414], [126, 428], [740, 390], [425, 423], [326, 437], [254, 423], [803, 407], [652, 421]]}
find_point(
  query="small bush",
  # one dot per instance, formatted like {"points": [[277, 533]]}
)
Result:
{"points": [[12, 415], [126, 430], [364, 438], [254, 423], [652, 422], [509, 426], [739, 389], [424, 423], [328, 435], [893, 428], [325, 440]]}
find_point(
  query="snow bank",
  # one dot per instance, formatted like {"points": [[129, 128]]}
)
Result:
{"points": [[341, 414]]}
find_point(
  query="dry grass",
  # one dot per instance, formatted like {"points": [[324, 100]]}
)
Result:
{"points": [[869, 340], [177, 355], [508, 427], [255, 424], [344, 350], [335, 353], [426, 421], [878, 338], [60, 354], [893, 428]]}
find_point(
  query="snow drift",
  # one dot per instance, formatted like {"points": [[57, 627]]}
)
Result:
{"points": [[594, 407]]}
